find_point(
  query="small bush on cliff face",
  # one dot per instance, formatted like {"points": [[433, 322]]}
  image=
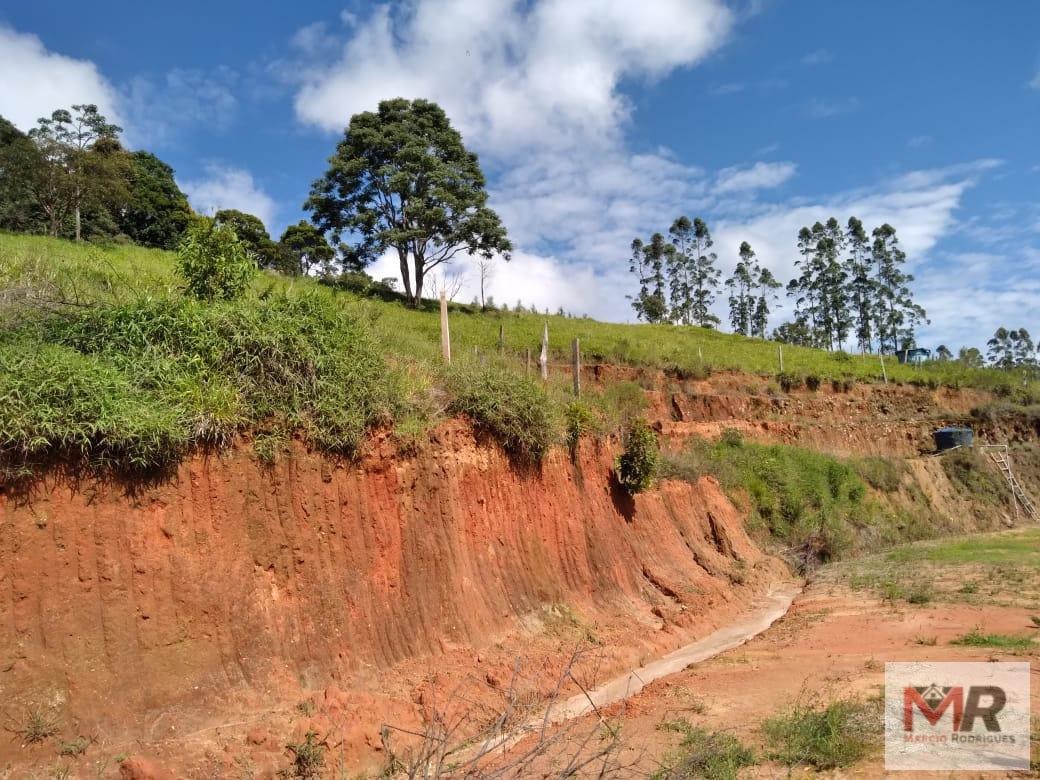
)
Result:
{"points": [[580, 420], [308, 757], [636, 467], [513, 409]]}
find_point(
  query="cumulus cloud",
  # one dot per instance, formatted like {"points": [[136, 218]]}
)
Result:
{"points": [[535, 87], [230, 188], [761, 175], [37, 81], [512, 75]]}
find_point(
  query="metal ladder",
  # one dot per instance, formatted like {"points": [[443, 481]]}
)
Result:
{"points": [[1000, 455]]}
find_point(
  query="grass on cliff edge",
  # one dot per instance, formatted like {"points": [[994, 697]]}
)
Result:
{"points": [[102, 358], [817, 504]]}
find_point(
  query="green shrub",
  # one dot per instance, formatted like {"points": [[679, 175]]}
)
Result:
{"points": [[835, 736], [213, 262], [636, 467], [813, 382], [705, 754], [788, 381], [513, 409], [580, 419]]}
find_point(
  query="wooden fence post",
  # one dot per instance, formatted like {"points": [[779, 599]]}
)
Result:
{"points": [[576, 366], [527, 363], [445, 335], [543, 358], [501, 339], [780, 354], [884, 373]]}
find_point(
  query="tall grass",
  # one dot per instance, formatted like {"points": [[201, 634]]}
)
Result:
{"points": [[815, 504]]}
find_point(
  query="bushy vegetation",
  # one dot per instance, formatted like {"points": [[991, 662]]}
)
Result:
{"points": [[513, 409], [636, 467], [132, 384], [810, 501], [712, 755], [835, 736], [213, 261]]}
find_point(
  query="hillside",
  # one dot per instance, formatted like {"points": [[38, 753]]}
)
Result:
{"points": [[147, 374], [229, 525]]}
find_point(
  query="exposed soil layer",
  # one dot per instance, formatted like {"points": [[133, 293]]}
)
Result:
{"points": [[204, 621]]}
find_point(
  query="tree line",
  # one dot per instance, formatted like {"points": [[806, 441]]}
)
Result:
{"points": [[850, 289], [71, 177]]}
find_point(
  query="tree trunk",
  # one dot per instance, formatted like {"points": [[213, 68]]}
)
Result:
{"points": [[79, 235], [419, 280], [406, 276]]}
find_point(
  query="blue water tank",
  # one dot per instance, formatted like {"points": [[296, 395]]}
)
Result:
{"points": [[953, 436]]}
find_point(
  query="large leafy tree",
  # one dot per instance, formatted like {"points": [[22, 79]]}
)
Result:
{"points": [[156, 212], [861, 287], [402, 179], [75, 178], [306, 249], [705, 276]]}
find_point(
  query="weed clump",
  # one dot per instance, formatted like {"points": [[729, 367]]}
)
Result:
{"points": [[308, 756], [809, 501], [712, 755], [833, 737]]}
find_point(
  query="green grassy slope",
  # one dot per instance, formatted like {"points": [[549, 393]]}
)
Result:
{"points": [[102, 358]]}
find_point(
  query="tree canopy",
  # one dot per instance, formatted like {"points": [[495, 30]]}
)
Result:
{"points": [[156, 212], [402, 179]]}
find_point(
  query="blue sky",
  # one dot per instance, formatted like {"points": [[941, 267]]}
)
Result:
{"points": [[598, 122]]}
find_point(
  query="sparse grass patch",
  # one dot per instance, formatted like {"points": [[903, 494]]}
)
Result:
{"points": [[706, 754], [308, 757], [74, 747], [38, 726], [835, 736], [976, 638]]}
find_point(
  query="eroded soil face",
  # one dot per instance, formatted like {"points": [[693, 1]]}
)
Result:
{"points": [[205, 622]]}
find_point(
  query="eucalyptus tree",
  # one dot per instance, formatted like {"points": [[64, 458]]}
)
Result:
{"points": [[861, 287], [402, 180], [742, 294], [896, 314], [704, 277], [649, 263]]}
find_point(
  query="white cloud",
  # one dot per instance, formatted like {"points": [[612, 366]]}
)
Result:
{"points": [[183, 96], [818, 57], [512, 75], [1035, 83], [37, 81], [761, 175], [230, 188]]}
